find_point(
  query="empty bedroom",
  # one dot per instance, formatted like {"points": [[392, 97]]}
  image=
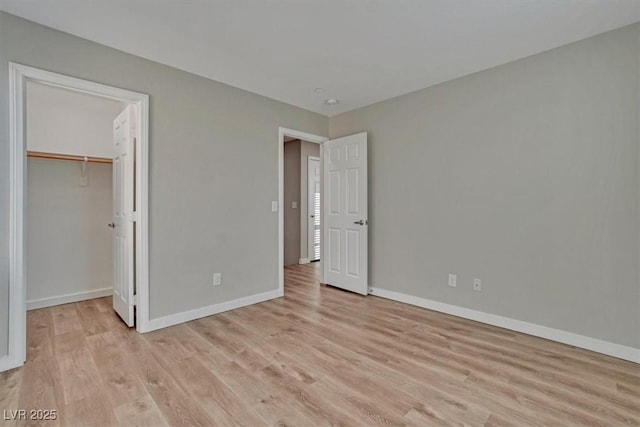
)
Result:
{"points": [[323, 212]]}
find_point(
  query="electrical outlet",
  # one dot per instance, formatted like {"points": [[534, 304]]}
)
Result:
{"points": [[453, 280], [274, 206], [294, 205], [217, 279], [477, 285]]}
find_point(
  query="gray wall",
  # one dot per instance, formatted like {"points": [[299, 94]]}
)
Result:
{"points": [[204, 135], [291, 194], [69, 246], [306, 149], [526, 176]]}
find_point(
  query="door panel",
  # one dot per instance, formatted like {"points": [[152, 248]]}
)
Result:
{"points": [[334, 193], [353, 261], [345, 221], [335, 250], [352, 188], [123, 205]]}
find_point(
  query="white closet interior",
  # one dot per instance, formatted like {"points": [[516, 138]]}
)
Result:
{"points": [[69, 195]]}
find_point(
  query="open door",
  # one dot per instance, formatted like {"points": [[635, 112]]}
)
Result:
{"points": [[123, 215], [345, 223]]}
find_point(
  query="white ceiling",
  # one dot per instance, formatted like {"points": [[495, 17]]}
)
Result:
{"points": [[359, 51]]}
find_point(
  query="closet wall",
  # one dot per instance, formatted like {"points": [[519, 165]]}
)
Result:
{"points": [[69, 246]]}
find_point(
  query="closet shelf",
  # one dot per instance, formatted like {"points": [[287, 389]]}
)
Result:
{"points": [[42, 155]]}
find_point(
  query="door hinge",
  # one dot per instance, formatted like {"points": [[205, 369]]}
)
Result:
{"points": [[134, 216], [135, 300]]}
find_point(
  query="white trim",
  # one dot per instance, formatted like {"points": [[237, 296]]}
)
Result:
{"points": [[142, 216], [17, 349], [282, 132], [68, 298], [187, 316], [304, 261], [7, 363], [18, 76], [576, 340]]}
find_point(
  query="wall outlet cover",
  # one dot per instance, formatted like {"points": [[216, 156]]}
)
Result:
{"points": [[217, 279], [477, 285], [453, 279]]}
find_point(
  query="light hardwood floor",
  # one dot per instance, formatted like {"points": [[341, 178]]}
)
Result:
{"points": [[318, 356]]}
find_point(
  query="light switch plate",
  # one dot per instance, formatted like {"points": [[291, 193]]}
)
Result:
{"points": [[294, 205], [274, 206]]}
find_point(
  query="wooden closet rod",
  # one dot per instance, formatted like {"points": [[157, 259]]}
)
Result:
{"points": [[42, 155]]}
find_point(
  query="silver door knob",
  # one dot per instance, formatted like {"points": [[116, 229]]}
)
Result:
{"points": [[112, 225], [361, 222]]}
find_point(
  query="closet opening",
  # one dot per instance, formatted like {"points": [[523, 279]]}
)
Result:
{"points": [[79, 187], [78, 202]]}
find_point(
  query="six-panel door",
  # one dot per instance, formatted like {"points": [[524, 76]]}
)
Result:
{"points": [[345, 213]]}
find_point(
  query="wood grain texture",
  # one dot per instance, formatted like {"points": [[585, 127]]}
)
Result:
{"points": [[319, 356]]}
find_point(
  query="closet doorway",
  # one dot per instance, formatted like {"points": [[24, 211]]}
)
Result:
{"points": [[78, 180]]}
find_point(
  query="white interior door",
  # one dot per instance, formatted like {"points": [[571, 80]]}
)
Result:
{"points": [[345, 224], [313, 210], [123, 214]]}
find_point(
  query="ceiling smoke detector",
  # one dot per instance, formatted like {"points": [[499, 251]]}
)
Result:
{"points": [[332, 101]]}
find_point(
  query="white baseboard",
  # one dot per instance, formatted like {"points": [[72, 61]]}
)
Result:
{"points": [[304, 261], [68, 298], [7, 363], [576, 340], [186, 316]]}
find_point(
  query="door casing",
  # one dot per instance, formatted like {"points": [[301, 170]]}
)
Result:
{"points": [[282, 133]]}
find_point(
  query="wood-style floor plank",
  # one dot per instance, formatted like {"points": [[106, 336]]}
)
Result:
{"points": [[319, 356], [140, 412]]}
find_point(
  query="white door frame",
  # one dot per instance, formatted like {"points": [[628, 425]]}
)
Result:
{"points": [[19, 75], [282, 132], [306, 221]]}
